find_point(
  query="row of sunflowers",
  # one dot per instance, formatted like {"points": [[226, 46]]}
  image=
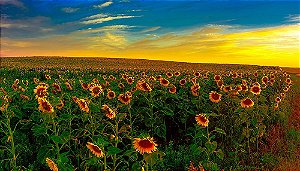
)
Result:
{"points": [[139, 120]]}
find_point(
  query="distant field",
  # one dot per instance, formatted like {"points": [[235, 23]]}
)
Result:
{"points": [[120, 64]]}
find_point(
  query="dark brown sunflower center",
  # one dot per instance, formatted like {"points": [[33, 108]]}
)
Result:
{"points": [[146, 144], [215, 96], [96, 149], [202, 119], [247, 102], [96, 90], [46, 106], [182, 82], [256, 89]]}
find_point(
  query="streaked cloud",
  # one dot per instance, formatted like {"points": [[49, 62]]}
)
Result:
{"points": [[107, 28], [107, 18], [16, 3], [96, 16], [294, 18], [150, 29], [210, 44], [69, 9], [105, 4]]}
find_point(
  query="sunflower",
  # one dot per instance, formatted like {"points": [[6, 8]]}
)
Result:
{"points": [[272, 81], [172, 89], [220, 83], [288, 81], [22, 89], [255, 74], [2, 89], [164, 82], [16, 81], [286, 89], [85, 86], [193, 168], [45, 106], [48, 77], [240, 75], [151, 78], [194, 80], [272, 76], [282, 95], [255, 89], [182, 82], [227, 89], [96, 90], [25, 82], [51, 164], [202, 120], [14, 87], [277, 99], [159, 77], [265, 79], [60, 105], [244, 87], [57, 87], [83, 105], [247, 103], [263, 86], [124, 98], [276, 105], [195, 89], [95, 80], [130, 80], [69, 87], [144, 145], [111, 77], [215, 97], [133, 89], [111, 94], [75, 99], [121, 85], [24, 97], [169, 74], [197, 74], [36, 81], [177, 73], [143, 74], [234, 75], [124, 76], [95, 149], [238, 88], [41, 91], [143, 86], [108, 111], [217, 77], [244, 82]]}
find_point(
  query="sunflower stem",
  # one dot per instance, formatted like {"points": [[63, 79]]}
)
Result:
{"points": [[13, 149], [55, 133], [116, 144], [130, 118]]}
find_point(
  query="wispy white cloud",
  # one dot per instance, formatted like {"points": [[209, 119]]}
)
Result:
{"points": [[107, 18], [150, 29], [12, 2], [105, 4], [69, 10], [96, 16], [107, 28], [294, 18]]}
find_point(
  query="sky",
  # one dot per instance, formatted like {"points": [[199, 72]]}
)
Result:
{"points": [[260, 32]]}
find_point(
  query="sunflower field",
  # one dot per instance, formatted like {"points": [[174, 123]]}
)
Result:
{"points": [[146, 119]]}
